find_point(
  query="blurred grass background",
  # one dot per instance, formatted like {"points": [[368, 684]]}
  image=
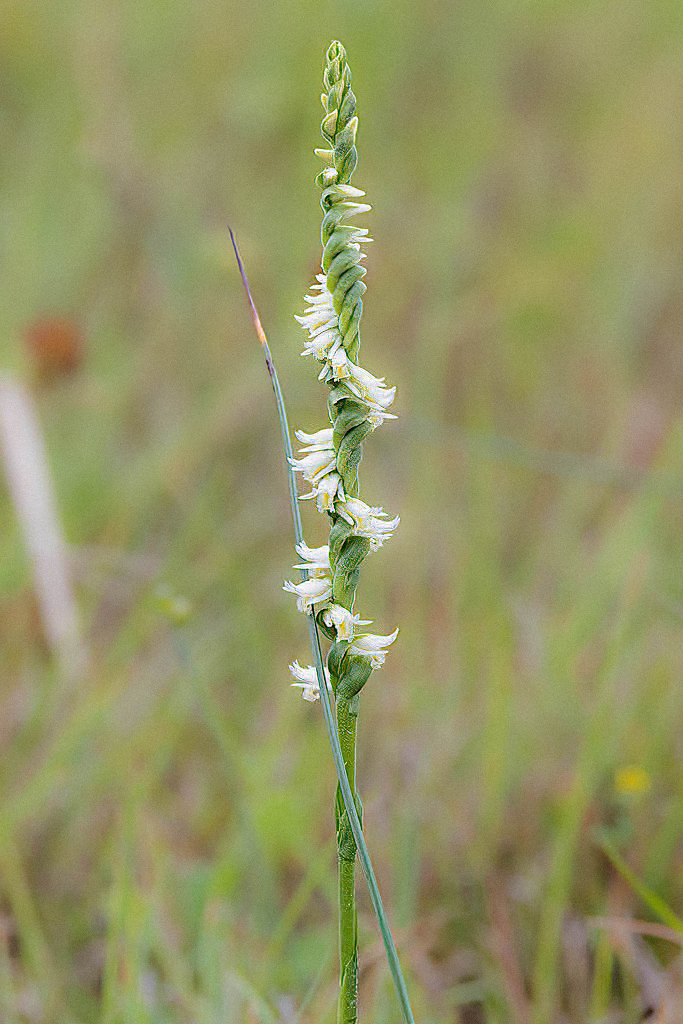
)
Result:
{"points": [[166, 830]]}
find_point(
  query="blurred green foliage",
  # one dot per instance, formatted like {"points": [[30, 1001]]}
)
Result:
{"points": [[166, 835]]}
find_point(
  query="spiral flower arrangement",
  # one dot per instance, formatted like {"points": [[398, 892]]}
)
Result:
{"points": [[357, 403]]}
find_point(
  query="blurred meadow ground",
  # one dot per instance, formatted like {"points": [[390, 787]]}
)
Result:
{"points": [[166, 824]]}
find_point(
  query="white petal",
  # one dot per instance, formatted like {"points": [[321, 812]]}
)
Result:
{"points": [[373, 646], [315, 465], [368, 521], [307, 679], [317, 556], [326, 491], [319, 438], [368, 388], [309, 592], [341, 364], [316, 560]]}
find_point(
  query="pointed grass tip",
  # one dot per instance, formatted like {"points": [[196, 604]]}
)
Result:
{"points": [[261, 334]]}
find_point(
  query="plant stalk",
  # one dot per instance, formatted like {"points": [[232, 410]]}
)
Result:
{"points": [[326, 697], [347, 721]]}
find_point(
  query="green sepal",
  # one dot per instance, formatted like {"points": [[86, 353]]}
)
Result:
{"points": [[339, 392], [336, 242], [330, 223], [340, 532], [344, 587], [347, 166], [357, 671], [338, 195], [350, 332], [345, 141], [347, 108], [329, 125], [349, 455], [345, 263], [350, 302], [350, 415], [352, 337], [335, 657], [326, 176], [349, 277], [353, 553]]}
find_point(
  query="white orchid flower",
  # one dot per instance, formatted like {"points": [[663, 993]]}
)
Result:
{"points": [[316, 560], [310, 592], [321, 344], [318, 441], [367, 521], [318, 455], [326, 491], [343, 621], [320, 320], [307, 679], [315, 465], [368, 388], [372, 646]]}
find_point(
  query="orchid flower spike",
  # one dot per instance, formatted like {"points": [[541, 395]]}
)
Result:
{"points": [[358, 401]]}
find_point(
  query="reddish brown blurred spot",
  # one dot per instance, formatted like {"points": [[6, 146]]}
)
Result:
{"points": [[56, 345]]}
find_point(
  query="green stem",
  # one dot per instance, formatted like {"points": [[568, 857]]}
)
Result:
{"points": [[347, 720], [348, 944]]}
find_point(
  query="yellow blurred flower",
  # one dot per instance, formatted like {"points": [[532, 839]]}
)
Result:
{"points": [[632, 780]]}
